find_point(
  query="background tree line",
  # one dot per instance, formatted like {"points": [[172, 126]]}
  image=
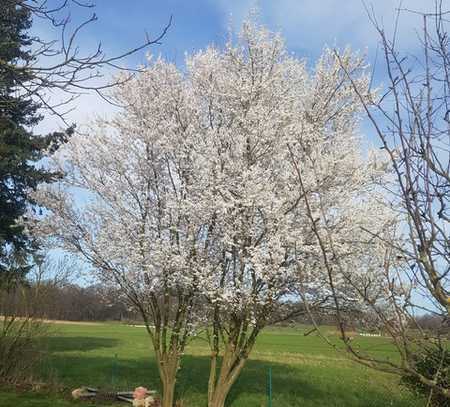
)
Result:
{"points": [[69, 302]]}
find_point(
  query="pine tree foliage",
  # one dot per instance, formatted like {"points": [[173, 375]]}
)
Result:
{"points": [[20, 149]]}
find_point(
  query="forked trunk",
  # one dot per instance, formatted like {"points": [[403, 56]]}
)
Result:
{"points": [[168, 366], [219, 398], [168, 392], [231, 367], [220, 395]]}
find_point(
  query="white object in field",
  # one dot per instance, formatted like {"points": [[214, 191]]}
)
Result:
{"points": [[147, 402], [83, 392]]}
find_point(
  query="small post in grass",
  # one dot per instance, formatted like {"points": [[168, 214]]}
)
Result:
{"points": [[269, 387], [114, 371]]}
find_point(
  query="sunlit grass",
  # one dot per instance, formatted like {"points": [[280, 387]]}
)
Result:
{"points": [[306, 371]]}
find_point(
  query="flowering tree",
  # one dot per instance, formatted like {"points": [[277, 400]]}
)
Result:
{"points": [[249, 92], [191, 202], [136, 219]]}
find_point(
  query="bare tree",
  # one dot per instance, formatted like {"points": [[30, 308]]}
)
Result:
{"points": [[61, 65], [412, 120]]}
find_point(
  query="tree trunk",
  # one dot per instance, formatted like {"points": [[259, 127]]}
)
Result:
{"points": [[219, 398], [168, 367], [222, 389], [212, 377], [168, 392], [230, 369]]}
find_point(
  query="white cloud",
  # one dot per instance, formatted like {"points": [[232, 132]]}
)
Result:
{"points": [[310, 24], [85, 109]]}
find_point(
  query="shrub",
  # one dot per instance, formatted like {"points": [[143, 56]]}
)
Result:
{"points": [[432, 362], [19, 350]]}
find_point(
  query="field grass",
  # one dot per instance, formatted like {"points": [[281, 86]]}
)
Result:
{"points": [[306, 371]]}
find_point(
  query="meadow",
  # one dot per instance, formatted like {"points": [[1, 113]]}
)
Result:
{"points": [[306, 372]]}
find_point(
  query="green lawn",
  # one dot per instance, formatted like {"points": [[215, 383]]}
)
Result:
{"points": [[306, 371]]}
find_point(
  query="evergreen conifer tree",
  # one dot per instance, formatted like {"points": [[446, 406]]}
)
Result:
{"points": [[20, 149]]}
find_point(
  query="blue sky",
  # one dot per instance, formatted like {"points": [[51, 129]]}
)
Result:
{"points": [[307, 25]]}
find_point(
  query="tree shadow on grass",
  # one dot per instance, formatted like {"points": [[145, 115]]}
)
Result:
{"points": [[251, 386], [294, 385], [75, 343], [126, 374]]}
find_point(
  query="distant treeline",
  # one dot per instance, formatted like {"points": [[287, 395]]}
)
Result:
{"points": [[70, 302], [74, 302]]}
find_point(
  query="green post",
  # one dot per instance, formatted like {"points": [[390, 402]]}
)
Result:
{"points": [[269, 388], [114, 371]]}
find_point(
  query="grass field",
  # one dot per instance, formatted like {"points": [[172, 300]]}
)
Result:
{"points": [[306, 372]]}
